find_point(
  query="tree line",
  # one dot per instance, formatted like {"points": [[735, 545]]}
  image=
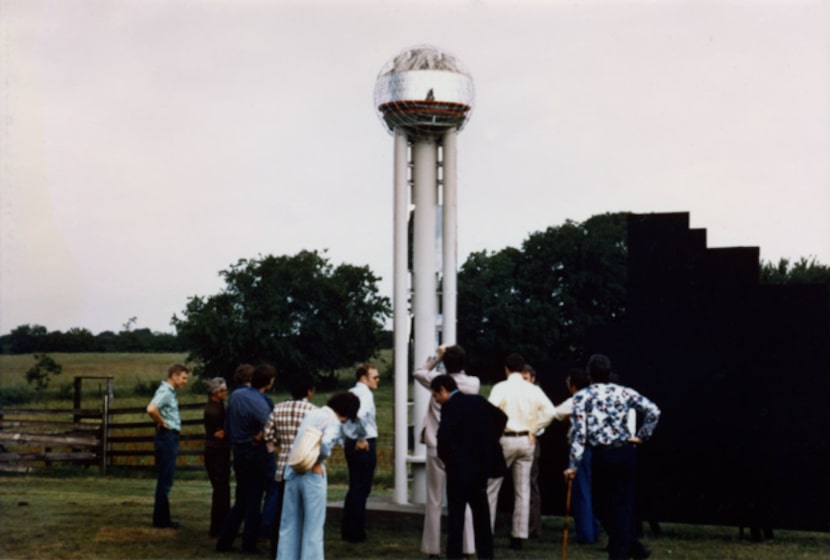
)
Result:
{"points": [[305, 314], [31, 339]]}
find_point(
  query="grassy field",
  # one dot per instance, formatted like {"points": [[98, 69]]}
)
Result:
{"points": [[75, 513], [125, 368], [81, 517]]}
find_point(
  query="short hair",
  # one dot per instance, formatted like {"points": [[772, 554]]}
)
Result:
{"points": [[455, 359], [243, 374], [599, 368], [345, 404], [363, 369], [215, 385], [443, 382], [300, 384], [176, 368], [262, 376], [578, 377], [514, 362], [527, 368]]}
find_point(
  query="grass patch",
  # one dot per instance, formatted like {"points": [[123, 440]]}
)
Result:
{"points": [[104, 517]]}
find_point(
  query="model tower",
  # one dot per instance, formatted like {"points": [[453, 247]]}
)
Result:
{"points": [[424, 97]]}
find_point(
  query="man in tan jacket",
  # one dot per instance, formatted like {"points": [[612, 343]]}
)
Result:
{"points": [[454, 359]]}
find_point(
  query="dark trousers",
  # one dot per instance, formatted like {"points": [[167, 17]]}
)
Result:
{"points": [[614, 491], [250, 465], [460, 492], [218, 466], [269, 504], [166, 443], [361, 473]]}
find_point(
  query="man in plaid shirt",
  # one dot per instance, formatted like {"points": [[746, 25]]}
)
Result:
{"points": [[280, 431]]}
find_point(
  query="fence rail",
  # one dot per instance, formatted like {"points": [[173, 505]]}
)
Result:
{"points": [[40, 437]]}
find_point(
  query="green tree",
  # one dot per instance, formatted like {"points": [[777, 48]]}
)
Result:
{"points": [[542, 299], [41, 373], [298, 312], [26, 339], [802, 271]]}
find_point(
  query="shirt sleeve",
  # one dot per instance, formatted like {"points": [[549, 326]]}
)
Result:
{"points": [[271, 429], [579, 430], [496, 396], [651, 415], [545, 413], [563, 410], [425, 373], [331, 436]]}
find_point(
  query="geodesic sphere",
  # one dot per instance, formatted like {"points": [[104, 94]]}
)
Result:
{"points": [[424, 91]]}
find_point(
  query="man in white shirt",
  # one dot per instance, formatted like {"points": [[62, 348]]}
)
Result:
{"points": [[359, 446], [528, 410]]}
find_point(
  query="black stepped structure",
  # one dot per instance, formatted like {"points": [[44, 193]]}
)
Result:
{"points": [[741, 372]]}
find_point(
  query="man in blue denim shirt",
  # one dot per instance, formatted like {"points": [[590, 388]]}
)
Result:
{"points": [[164, 410], [248, 411]]}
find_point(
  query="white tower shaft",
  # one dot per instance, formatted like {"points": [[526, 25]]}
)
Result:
{"points": [[426, 184]]}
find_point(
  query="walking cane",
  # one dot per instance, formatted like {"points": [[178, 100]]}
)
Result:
{"points": [[567, 513]]}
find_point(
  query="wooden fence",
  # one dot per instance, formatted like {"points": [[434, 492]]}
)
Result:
{"points": [[105, 437]]}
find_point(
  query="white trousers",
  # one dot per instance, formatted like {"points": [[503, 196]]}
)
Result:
{"points": [[431, 538], [518, 454]]}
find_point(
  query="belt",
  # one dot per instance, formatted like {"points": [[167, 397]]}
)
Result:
{"points": [[516, 434], [163, 429]]}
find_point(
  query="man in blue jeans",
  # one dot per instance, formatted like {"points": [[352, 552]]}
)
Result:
{"points": [[164, 410]]}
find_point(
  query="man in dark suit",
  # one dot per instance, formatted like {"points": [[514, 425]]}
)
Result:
{"points": [[468, 444]]}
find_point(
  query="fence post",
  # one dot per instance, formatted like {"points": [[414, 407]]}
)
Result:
{"points": [[76, 399], [105, 432]]}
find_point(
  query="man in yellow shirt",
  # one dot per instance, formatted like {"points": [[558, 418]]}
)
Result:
{"points": [[528, 410]]}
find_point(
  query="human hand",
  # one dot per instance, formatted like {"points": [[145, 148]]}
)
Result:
{"points": [[318, 469], [440, 352], [569, 474], [361, 445]]}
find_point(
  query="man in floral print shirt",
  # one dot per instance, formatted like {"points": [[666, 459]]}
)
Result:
{"points": [[599, 420]]}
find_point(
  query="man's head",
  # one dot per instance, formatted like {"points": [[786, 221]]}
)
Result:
{"points": [[216, 385], [529, 373], [454, 358], [177, 375], [368, 375], [263, 377], [243, 374], [514, 363], [345, 405], [599, 368], [442, 387], [301, 386], [577, 379]]}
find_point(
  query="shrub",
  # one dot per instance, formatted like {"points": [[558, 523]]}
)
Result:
{"points": [[16, 394], [144, 388], [41, 373]]}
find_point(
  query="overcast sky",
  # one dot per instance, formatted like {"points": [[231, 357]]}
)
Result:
{"points": [[145, 145]]}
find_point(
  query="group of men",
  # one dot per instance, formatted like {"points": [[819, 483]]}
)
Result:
{"points": [[471, 442], [261, 437]]}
